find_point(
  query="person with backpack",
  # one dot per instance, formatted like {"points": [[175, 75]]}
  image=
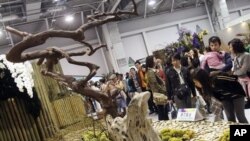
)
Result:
{"points": [[220, 87]]}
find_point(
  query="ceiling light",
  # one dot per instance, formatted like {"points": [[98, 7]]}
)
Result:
{"points": [[229, 28], [69, 18], [1, 32], [151, 2]]}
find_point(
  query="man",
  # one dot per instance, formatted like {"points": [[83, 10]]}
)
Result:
{"points": [[179, 83], [214, 45]]}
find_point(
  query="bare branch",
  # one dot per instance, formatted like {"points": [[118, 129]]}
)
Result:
{"points": [[17, 32], [51, 56], [92, 50]]}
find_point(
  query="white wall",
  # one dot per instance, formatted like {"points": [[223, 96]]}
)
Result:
{"points": [[158, 30], [159, 38], [202, 23], [154, 33], [70, 69], [246, 11], [134, 46]]}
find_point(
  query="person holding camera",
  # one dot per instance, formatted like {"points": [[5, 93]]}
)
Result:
{"points": [[179, 83]]}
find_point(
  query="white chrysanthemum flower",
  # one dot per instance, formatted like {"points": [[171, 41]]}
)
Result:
{"points": [[22, 74], [2, 66]]}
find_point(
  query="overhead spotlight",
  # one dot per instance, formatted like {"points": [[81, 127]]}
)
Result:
{"points": [[1, 32], [151, 2], [229, 28], [69, 18], [55, 0]]}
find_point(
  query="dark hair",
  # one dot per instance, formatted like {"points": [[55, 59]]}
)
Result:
{"points": [[169, 60], [103, 80], [127, 75], [132, 69], [157, 67], [176, 56], [150, 62], [143, 65], [202, 76], [137, 62], [208, 49], [184, 61], [97, 84], [214, 39], [195, 53], [117, 74], [237, 45]]}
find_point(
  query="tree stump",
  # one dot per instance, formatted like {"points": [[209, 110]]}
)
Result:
{"points": [[134, 126]]}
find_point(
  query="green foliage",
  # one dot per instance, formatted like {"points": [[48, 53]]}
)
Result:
{"points": [[225, 136], [176, 135], [95, 136]]}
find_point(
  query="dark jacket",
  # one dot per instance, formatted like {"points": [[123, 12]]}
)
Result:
{"points": [[227, 87], [131, 85], [173, 81], [228, 63]]}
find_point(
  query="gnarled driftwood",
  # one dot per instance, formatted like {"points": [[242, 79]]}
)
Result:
{"points": [[51, 56]]}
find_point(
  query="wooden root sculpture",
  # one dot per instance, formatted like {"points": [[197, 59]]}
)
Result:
{"points": [[134, 126], [51, 56]]}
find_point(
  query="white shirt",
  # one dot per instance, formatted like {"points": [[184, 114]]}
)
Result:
{"points": [[178, 70]]}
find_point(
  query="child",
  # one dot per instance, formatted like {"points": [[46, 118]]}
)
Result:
{"points": [[213, 59]]}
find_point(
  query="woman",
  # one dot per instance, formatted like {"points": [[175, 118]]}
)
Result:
{"points": [[156, 85], [151, 105], [241, 61], [194, 58], [220, 87]]}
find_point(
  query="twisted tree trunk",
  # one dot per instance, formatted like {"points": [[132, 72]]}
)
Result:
{"points": [[51, 56]]}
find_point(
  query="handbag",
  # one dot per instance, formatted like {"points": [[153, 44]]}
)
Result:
{"points": [[173, 111], [182, 91], [160, 99], [248, 71]]}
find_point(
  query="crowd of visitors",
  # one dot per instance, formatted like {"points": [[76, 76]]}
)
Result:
{"points": [[218, 78]]}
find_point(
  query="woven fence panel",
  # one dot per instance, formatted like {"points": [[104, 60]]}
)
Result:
{"points": [[69, 110]]}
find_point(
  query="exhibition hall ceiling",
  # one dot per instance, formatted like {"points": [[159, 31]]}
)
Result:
{"points": [[38, 15], [16, 11]]}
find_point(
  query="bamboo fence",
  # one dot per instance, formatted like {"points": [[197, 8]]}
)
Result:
{"points": [[69, 110], [17, 125]]}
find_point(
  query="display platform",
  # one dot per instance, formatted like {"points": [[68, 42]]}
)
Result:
{"points": [[204, 130]]}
